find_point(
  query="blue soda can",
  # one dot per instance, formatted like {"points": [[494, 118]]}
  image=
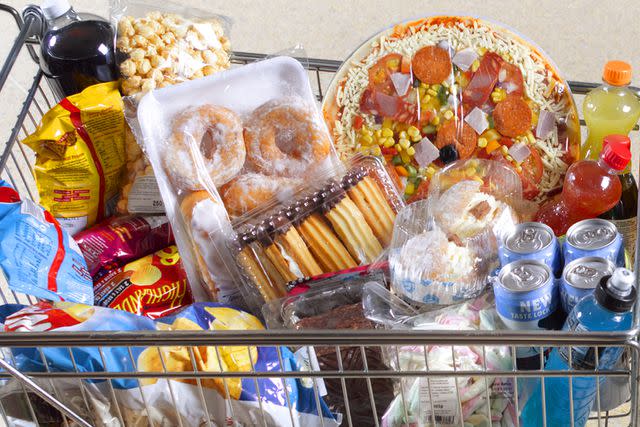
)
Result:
{"points": [[532, 240], [526, 294], [580, 277], [594, 238]]}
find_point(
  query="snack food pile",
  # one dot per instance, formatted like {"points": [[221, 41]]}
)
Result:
{"points": [[405, 203]]}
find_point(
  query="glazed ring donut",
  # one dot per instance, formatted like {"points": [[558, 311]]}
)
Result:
{"points": [[251, 190], [283, 139], [208, 138]]}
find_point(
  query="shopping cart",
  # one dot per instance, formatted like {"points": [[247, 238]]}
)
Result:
{"points": [[38, 397]]}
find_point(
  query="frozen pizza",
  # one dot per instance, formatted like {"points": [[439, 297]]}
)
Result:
{"points": [[429, 92]]}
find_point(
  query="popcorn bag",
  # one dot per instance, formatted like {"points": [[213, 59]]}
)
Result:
{"points": [[161, 45]]}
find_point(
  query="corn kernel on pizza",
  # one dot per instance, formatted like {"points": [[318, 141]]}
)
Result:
{"points": [[426, 93]]}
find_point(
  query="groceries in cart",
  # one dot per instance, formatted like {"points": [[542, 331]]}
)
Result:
{"points": [[37, 256], [76, 50], [118, 240], [428, 92], [161, 44], [440, 188], [79, 146], [159, 401]]}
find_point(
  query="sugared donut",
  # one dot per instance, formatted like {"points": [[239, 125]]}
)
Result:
{"points": [[206, 138], [251, 190], [283, 139]]}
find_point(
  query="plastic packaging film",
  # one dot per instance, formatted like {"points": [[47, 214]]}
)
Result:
{"points": [[161, 44], [444, 248], [238, 137], [425, 93], [338, 223]]}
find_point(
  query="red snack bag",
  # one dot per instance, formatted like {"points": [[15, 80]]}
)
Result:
{"points": [[118, 240], [153, 286]]}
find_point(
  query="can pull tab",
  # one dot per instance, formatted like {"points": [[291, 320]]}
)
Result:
{"points": [[621, 282]]}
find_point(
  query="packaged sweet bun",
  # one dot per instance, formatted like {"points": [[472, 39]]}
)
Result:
{"points": [[209, 228]]}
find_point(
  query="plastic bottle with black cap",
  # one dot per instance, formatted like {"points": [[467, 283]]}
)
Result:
{"points": [[608, 309]]}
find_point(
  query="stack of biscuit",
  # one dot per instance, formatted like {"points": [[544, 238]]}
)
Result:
{"points": [[345, 224]]}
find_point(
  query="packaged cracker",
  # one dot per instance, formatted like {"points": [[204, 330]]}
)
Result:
{"points": [[154, 286], [119, 240], [333, 223], [220, 401], [37, 255], [80, 156], [161, 45]]}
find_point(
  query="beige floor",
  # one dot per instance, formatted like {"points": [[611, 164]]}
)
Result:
{"points": [[579, 35]]}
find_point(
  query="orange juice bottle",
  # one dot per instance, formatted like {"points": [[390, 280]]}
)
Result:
{"points": [[610, 109]]}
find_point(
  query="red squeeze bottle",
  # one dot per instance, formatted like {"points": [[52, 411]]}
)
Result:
{"points": [[590, 188]]}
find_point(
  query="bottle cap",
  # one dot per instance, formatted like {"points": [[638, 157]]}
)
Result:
{"points": [[622, 139], [617, 73], [54, 8], [617, 292], [616, 154]]}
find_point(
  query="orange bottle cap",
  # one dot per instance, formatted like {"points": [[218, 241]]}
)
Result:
{"points": [[617, 73]]}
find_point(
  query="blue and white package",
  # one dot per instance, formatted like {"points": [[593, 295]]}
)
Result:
{"points": [[37, 256], [238, 401]]}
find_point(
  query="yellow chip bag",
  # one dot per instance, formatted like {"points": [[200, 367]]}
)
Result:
{"points": [[80, 156]]}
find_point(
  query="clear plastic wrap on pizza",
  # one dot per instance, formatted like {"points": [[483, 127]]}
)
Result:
{"points": [[425, 93]]}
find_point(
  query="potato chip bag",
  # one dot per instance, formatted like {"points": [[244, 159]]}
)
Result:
{"points": [[154, 286], [37, 256], [213, 400], [118, 240], [80, 156]]}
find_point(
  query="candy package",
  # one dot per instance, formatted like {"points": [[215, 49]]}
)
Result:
{"points": [[331, 224], [151, 400], [338, 305], [439, 400], [80, 156], [445, 247], [161, 44], [37, 256], [118, 240], [154, 286], [238, 139]]}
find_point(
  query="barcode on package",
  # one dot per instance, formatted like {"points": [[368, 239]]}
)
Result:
{"points": [[438, 401]]}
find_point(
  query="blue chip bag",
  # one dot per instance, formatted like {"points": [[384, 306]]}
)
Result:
{"points": [[39, 257], [229, 401]]}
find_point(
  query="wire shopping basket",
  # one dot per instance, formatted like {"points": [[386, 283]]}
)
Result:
{"points": [[56, 397]]}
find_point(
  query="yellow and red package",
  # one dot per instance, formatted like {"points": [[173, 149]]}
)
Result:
{"points": [[154, 286], [80, 156]]}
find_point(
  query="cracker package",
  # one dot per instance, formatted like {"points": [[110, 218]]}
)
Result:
{"points": [[80, 156]]}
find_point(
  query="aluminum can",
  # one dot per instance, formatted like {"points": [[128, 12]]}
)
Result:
{"points": [[580, 278], [532, 240], [596, 238], [526, 294]]}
